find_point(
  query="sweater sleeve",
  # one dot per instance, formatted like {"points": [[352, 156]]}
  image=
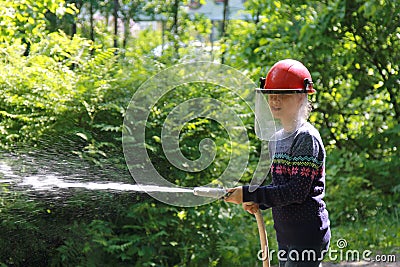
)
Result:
{"points": [[305, 164]]}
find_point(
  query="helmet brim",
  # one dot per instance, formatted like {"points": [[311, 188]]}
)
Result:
{"points": [[285, 91]]}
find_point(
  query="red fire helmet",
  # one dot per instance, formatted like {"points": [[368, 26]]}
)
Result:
{"points": [[287, 76]]}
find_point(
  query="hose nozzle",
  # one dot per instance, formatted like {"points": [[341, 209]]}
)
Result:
{"points": [[210, 192]]}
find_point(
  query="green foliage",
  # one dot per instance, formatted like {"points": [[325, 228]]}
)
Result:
{"points": [[61, 89], [26, 19], [58, 89], [346, 178], [29, 101], [379, 235], [16, 211], [363, 210], [152, 234], [194, 131]]}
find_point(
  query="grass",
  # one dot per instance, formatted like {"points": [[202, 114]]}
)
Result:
{"points": [[380, 235]]}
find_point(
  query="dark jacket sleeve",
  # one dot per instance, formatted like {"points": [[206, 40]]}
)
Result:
{"points": [[305, 165]]}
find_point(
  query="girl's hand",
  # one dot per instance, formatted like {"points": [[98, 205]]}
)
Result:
{"points": [[250, 207], [236, 195]]}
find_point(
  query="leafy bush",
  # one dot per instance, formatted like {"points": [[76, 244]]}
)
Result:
{"points": [[351, 194], [152, 234]]}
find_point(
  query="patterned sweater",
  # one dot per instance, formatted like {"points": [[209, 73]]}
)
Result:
{"points": [[297, 189]]}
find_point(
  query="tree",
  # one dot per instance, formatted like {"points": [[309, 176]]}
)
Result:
{"points": [[352, 50]]}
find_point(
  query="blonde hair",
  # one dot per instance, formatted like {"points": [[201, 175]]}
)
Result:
{"points": [[306, 108]]}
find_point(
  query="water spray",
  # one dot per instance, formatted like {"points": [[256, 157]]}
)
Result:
{"points": [[221, 193]]}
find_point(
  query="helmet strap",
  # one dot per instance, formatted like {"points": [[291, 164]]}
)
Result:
{"points": [[262, 82], [307, 84]]}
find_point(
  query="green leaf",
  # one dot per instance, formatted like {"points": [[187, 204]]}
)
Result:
{"points": [[83, 136]]}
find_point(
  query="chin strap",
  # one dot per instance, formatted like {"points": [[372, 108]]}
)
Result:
{"points": [[308, 85], [262, 82]]}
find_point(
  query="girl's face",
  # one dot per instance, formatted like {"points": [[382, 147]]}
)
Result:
{"points": [[285, 107]]}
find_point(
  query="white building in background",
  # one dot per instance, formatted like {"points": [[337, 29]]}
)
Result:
{"points": [[214, 9]]}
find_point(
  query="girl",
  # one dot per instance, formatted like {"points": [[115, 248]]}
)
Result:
{"points": [[298, 170]]}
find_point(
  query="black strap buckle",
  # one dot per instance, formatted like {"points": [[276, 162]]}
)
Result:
{"points": [[307, 84], [262, 82]]}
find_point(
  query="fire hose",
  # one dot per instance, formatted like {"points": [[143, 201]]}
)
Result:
{"points": [[221, 193]]}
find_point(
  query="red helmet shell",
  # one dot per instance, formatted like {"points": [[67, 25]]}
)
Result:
{"points": [[289, 74]]}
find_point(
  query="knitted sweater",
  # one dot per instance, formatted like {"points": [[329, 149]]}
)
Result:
{"points": [[297, 189]]}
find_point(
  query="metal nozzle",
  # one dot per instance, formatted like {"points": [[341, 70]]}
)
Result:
{"points": [[210, 192]]}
